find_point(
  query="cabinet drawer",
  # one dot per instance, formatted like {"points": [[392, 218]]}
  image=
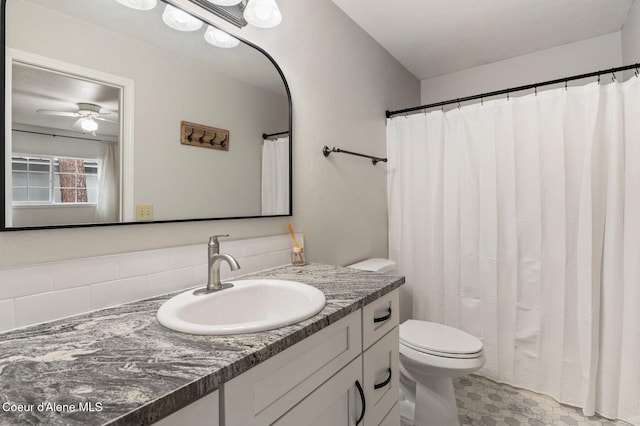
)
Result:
{"points": [[381, 377], [378, 317], [264, 393]]}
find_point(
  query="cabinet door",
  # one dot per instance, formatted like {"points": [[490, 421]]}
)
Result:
{"points": [[204, 411], [381, 378], [336, 403]]}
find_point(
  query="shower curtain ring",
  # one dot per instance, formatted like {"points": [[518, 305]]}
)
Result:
{"points": [[613, 76]]}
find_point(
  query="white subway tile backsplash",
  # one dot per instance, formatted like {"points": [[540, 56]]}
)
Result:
{"points": [[143, 263], [83, 272], [185, 256], [52, 305], [118, 292], [269, 260], [234, 248], [6, 315], [38, 293], [177, 279], [286, 257], [24, 281], [267, 244]]}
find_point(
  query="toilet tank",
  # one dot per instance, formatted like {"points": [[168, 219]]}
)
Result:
{"points": [[376, 265]]}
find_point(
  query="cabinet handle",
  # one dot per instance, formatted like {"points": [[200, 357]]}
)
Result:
{"points": [[364, 403], [383, 318], [383, 384]]}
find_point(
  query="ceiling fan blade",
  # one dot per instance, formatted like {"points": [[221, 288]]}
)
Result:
{"points": [[104, 119], [76, 125], [58, 113]]}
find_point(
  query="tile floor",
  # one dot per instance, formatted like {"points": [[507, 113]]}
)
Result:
{"points": [[482, 402]]}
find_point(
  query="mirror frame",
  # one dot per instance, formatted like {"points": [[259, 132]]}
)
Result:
{"points": [[4, 127]]}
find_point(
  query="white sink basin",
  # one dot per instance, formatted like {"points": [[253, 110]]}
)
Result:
{"points": [[247, 307]]}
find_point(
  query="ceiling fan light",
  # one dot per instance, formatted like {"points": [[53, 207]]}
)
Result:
{"points": [[263, 13], [219, 38], [139, 4], [225, 2], [89, 124], [179, 19]]}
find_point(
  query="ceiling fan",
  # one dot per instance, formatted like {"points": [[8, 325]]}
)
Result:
{"points": [[87, 115]]}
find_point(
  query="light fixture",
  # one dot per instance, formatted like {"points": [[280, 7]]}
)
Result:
{"points": [[88, 124], [225, 2], [180, 20], [262, 13], [139, 4], [220, 38]]}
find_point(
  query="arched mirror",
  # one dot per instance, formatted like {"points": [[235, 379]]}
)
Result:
{"points": [[112, 116]]}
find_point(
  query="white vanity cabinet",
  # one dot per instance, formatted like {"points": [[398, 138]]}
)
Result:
{"points": [[314, 381]]}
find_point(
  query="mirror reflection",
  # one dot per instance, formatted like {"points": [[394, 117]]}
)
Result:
{"points": [[98, 117]]}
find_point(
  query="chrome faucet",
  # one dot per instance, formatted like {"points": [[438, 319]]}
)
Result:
{"points": [[215, 259]]}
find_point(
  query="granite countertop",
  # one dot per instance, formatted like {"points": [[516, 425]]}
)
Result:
{"points": [[119, 366]]}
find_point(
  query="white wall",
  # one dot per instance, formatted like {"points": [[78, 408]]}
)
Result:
{"points": [[570, 59], [341, 83], [631, 36]]}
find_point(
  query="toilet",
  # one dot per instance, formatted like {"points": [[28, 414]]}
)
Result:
{"points": [[431, 355]]}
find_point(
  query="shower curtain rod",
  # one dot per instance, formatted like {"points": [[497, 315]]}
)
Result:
{"points": [[270, 135], [535, 86], [59, 136]]}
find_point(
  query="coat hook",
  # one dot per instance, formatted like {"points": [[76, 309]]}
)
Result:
{"points": [[190, 134], [211, 142], [223, 142], [201, 138]]}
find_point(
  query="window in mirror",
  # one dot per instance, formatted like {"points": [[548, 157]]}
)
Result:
{"points": [[41, 181]]}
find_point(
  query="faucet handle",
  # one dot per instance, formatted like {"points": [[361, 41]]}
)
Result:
{"points": [[214, 245], [214, 238]]}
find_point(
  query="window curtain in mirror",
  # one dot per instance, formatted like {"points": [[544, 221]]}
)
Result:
{"points": [[518, 221], [275, 176], [108, 198]]}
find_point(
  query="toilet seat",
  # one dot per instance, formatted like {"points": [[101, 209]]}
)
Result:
{"points": [[439, 340]]}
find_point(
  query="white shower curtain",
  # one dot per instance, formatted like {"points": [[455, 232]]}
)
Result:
{"points": [[518, 221], [275, 176]]}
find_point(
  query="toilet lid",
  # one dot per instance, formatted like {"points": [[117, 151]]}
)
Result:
{"points": [[434, 338]]}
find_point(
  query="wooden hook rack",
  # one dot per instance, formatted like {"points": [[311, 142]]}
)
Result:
{"points": [[204, 136]]}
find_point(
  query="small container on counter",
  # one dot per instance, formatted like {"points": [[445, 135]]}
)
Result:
{"points": [[297, 256]]}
